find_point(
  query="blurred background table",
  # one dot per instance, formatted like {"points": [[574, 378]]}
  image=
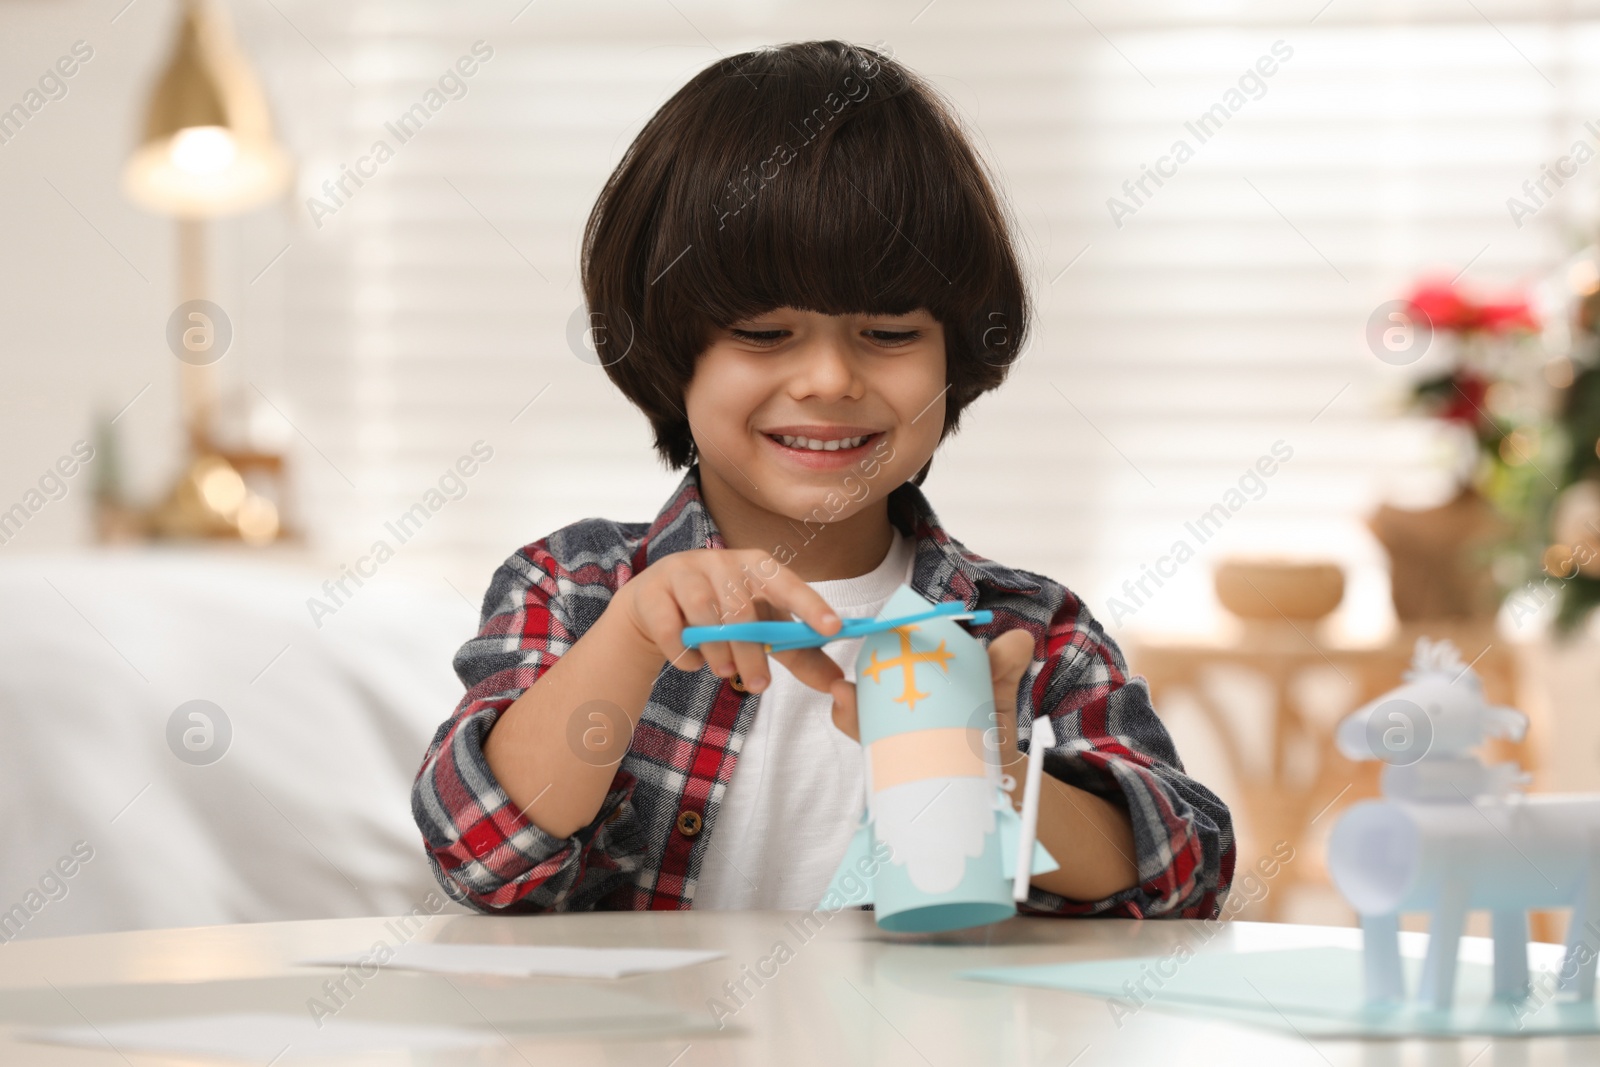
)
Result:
{"points": [[1272, 695]]}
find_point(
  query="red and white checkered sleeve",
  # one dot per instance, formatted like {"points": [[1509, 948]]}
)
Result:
{"points": [[1109, 741], [484, 851]]}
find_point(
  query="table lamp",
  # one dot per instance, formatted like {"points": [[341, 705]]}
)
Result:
{"points": [[208, 151]]}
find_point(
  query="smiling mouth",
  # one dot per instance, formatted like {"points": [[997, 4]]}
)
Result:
{"points": [[812, 444]]}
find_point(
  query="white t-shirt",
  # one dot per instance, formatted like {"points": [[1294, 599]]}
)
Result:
{"points": [[795, 798]]}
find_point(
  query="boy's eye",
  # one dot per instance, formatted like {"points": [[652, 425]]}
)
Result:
{"points": [[760, 337], [769, 338], [894, 337]]}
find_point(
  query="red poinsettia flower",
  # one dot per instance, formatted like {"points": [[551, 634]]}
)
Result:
{"points": [[1464, 401], [1443, 305], [1451, 310], [1508, 316]]}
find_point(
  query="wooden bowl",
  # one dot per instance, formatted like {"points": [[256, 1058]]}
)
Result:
{"points": [[1277, 589]]}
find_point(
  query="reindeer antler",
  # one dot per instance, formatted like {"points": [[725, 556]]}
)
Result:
{"points": [[1436, 657]]}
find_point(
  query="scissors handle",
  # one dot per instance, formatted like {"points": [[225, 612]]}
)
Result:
{"points": [[786, 636], [763, 633]]}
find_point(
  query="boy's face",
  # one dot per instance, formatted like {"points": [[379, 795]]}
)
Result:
{"points": [[792, 406]]}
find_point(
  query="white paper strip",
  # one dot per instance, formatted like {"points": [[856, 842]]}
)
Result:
{"points": [[526, 961], [262, 1038], [1044, 737]]}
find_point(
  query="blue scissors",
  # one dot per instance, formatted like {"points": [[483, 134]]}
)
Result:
{"points": [[787, 636]]}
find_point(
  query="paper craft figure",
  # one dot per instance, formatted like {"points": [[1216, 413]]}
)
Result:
{"points": [[1453, 835], [934, 789], [935, 794]]}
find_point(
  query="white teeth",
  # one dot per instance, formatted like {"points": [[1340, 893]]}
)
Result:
{"points": [[814, 445]]}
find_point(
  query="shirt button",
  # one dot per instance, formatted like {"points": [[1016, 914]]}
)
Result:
{"points": [[688, 823], [738, 684]]}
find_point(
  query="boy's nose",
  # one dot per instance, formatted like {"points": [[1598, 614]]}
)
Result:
{"points": [[827, 370]]}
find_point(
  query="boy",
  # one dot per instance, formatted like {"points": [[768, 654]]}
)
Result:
{"points": [[804, 277]]}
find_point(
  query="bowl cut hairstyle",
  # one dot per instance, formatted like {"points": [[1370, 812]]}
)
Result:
{"points": [[820, 175]]}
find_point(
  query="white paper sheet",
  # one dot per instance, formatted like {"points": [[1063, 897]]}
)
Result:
{"points": [[262, 1038], [526, 961]]}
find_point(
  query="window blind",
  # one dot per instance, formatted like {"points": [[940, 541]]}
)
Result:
{"points": [[1186, 329]]}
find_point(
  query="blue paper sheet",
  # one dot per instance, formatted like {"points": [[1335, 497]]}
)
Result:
{"points": [[1316, 992]]}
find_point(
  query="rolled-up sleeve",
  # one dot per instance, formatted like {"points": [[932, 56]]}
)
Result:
{"points": [[483, 850], [1109, 741]]}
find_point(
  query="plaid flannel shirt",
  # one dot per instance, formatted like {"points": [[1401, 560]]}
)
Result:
{"points": [[645, 846]]}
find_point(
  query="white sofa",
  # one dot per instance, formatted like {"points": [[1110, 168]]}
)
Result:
{"points": [[305, 815]]}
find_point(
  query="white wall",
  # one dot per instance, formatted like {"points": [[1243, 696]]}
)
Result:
{"points": [[1226, 314]]}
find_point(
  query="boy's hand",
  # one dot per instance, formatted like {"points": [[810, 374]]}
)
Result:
{"points": [[1009, 656], [716, 586]]}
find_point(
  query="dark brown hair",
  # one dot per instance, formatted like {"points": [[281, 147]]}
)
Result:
{"points": [[820, 175]]}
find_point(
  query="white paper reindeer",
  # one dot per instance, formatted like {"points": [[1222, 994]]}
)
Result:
{"points": [[1453, 835]]}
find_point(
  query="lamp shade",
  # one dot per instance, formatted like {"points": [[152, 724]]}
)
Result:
{"points": [[207, 149]]}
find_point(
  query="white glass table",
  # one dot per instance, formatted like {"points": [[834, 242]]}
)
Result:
{"points": [[838, 994]]}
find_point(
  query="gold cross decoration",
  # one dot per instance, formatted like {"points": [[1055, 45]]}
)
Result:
{"points": [[907, 661]]}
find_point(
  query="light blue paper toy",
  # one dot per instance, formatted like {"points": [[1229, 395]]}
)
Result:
{"points": [[934, 789], [935, 793]]}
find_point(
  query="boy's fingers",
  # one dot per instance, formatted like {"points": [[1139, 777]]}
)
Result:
{"points": [[663, 623], [1009, 656], [696, 603], [844, 709], [719, 657], [751, 662], [805, 603], [811, 666]]}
